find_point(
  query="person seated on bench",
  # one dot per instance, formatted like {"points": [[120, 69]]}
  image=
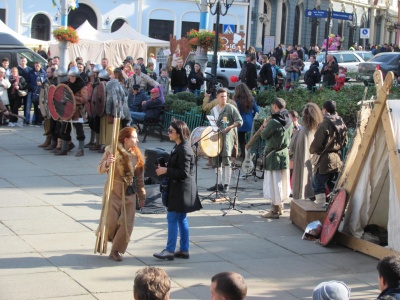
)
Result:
{"points": [[151, 108], [136, 98]]}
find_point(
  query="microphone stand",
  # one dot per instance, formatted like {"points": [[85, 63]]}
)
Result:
{"points": [[196, 144], [232, 205]]}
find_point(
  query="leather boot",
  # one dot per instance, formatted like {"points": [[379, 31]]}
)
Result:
{"points": [[64, 149], [46, 142], [320, 199], [273, 213], [71, 145], [58, 147], [53, 144], [80, 150]]}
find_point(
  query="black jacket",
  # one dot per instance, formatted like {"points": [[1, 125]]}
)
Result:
{"points": [[394, 292], [329, 70], [266, 74], [182, 196], [199, 80], [152, 108], [251, 76], [135, 101], [178, 78], [313, 73]]}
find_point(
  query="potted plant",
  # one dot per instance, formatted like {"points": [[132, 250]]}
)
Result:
{"points": [[68, 34], [203, 39]]}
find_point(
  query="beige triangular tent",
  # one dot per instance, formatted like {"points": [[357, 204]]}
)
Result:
{"points": [[373, 177], [27, 41]]}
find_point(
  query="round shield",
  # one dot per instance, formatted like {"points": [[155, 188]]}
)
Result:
{"points": [[64, 102], [100, 100], [333, 218], [88, 106], [43, 102], [52, 109]]}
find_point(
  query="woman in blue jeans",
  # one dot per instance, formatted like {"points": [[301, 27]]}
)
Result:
{"points": [[182, 197]]}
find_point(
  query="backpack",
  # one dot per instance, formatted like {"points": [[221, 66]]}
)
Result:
{"points": [[306, 76]]}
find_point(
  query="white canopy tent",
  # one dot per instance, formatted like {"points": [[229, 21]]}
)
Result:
{"points": [[27, 41]]}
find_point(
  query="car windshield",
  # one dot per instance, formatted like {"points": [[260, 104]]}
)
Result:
{"points": [[366, 55], [384, 58], [31, 57]]}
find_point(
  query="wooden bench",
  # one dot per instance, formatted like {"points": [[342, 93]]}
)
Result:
{"points": [[303, 212], [153, 124]]}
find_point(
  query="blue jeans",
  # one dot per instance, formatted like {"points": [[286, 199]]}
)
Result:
{"points": [[175, 221], [137, 117], [28, 107], [178, 89], [319, 182], [294, 76]]}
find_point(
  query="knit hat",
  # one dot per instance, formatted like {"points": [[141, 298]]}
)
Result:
{"points": [[331, 290]]}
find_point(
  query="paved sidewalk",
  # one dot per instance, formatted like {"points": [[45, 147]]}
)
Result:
{"points": [[50, 206]]}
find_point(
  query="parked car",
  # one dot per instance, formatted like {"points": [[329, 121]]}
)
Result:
{"points": [[13, 49], [229, 63], [348, 59], [386, 61]]}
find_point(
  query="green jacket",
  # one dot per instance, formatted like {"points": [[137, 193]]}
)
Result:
{"points": [[277, 134]]}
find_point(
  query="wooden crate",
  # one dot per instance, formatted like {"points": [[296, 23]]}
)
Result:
{"points": [[303, 212]]}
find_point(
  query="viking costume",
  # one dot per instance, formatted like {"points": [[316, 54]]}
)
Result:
{"points": [[123, 200], [117, 96], [80, 92]]}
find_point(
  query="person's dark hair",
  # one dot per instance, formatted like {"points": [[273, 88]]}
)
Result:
{"points": [[104, 59], [243, 97], [313, 56], [294, 114], [231, 285], [5, 59], [120, 77], [389, 269], [280, 102], [163, 70], [56, 57], [181, 129], [330, 106], [221, 90], [151, 283], [312, 116]]}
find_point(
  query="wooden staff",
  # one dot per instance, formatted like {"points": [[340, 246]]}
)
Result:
{"points": [[256, 135], [102, 234]]}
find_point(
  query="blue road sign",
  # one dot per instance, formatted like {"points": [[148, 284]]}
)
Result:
{"points": [[314, 13], [228, 28], [342, 16]]}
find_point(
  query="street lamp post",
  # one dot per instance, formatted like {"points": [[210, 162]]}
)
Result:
{"points": [[218, 11]]}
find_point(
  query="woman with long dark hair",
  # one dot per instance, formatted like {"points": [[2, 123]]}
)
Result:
{"points": [[129, 172], [300, 148], [248, 108], [196, 80], [182, 197]]}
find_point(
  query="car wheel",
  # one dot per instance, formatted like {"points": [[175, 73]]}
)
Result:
{"points": [[222, 83]]}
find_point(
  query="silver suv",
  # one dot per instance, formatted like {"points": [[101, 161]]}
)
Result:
{"points": [[348, 59]]}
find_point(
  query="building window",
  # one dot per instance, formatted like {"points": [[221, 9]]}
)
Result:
{"points": [[283, 26], [161, 29], [187, 26], [78, 16], [3, 15], [117, 24], [296, 26], [40, 28]]}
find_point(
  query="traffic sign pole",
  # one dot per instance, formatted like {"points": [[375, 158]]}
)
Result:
{"points": [[327, 34]]}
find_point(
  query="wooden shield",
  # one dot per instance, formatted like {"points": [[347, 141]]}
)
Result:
{"points": [[52, 109], [88, 105], [100, 100], [64, 102], [43, 102]]}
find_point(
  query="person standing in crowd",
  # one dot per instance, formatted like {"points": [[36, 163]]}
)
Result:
{"points": [[152, 59], [277, 133], [268, 73], [42, 53], [24, 70], [152, 74], [128, 183], [78, 87], [196, 80], [104, 63], [251, 73], [4, 85], [228, 119], [278, 54], [182, 197], [163, 80], [140, 62], [313, 74], [17, 84], [296, 65], [36, 77], [300, 149], [329, 139], [6, 65], [389, 277], [141, 79], [84, 75], [151, 283], [329, 69], [228, 286], [179, 81], [247, 108]]}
